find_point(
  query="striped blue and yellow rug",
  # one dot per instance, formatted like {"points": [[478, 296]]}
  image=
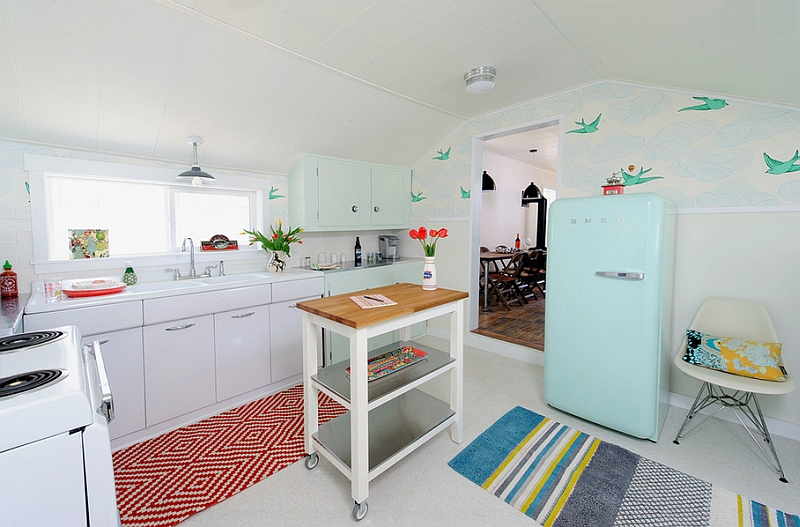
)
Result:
{"points": [[562, 477]]}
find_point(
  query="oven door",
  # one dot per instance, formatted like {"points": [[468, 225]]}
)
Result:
{"points": [[41, 483]]}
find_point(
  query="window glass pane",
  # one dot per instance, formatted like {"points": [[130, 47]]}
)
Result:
{"points": [[201, 215], [135, 214]]}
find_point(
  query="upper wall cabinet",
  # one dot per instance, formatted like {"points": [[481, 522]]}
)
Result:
{"points": [[329, 194]]}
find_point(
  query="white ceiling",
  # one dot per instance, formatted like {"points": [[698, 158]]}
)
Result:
{"points": [[378, 80]]}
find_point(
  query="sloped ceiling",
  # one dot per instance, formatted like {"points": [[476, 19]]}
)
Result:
{"points": [[377, 80]]}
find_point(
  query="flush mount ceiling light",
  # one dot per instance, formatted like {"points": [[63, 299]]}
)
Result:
{"points": [[479, 80], [195, 173]]}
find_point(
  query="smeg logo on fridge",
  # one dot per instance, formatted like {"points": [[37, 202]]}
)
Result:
{"points": [[596, 221]]}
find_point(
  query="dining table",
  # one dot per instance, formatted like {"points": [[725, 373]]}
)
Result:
{"points": [[487, 258]]}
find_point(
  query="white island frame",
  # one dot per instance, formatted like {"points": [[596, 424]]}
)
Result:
{"points": [[388, 418]]}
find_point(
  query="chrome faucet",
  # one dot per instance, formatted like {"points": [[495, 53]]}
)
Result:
{"points": [[192, 271]]}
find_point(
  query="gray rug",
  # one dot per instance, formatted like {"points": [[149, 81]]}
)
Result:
{"points": [[563, 477]]}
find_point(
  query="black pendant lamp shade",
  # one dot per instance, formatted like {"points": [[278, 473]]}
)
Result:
{"points": [[532, 194], [488, 182], [195, 171]]}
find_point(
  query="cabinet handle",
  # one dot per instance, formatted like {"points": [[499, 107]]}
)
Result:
{"points": [[242, 315], [178, 328], [292, 306], [377, 209], [103, 342], [355, 208]]}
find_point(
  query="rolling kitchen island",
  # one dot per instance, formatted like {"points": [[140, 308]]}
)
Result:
{"points": [[388, 417]]}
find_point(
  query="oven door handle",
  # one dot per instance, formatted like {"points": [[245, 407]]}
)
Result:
{"points": [[107, 404]]}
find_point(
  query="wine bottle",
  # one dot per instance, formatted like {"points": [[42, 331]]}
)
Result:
{"points": [[358, 252], [516, 242]]}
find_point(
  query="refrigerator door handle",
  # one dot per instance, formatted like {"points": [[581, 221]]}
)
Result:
{"points": [[624, 276]]}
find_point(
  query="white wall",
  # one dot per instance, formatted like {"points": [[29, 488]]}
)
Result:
{"points": [[737, 229], [502, 213]]}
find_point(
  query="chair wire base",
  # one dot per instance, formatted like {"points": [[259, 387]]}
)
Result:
{"points": [[741, 401]]}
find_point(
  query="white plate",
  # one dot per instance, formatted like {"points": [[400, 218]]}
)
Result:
{"points": [[100, 283]]}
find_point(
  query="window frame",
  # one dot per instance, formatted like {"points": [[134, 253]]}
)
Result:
{"points": [[39, 166]]}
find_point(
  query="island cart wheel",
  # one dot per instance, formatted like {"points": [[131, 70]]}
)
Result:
{"points": [[360, 510], [312, 460]]}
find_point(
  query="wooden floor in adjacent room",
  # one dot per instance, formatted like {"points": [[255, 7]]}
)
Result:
{"points": [[522, 325]]}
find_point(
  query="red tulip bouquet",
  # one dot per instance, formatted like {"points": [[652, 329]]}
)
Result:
{"points": [[421, 234]]}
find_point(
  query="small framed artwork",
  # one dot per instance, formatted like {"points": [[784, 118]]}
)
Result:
{"points": [[88, 243]]}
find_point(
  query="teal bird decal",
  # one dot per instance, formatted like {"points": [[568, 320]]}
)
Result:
{"points": [[586, 128], [782, 167], [272, 194], [443, 156], [708, 104], [28, 189], [464, 193], [417, 197], [637, 179]]}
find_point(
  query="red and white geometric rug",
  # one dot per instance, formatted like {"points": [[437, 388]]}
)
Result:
{"points": [[164, 480]]}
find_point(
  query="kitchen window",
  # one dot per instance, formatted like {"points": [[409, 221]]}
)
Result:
{"points": [[147, 212]]}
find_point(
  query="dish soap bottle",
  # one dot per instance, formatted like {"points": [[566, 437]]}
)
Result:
{"points": [[129, 278], [358, 252], [8, 282]]}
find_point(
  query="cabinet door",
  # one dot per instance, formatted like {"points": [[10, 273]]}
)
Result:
{"points": [[178, 367], [337, 347], [390, 197], [123, 355], [342, 193], [286, 337], [242, 344]]}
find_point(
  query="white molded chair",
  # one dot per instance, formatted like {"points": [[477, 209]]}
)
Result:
{"points": [[744, 319]]}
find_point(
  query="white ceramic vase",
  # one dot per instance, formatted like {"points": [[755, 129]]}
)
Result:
{"points": [[277, 262], [429, 274]]}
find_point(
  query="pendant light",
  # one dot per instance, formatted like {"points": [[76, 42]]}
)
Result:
{"points": [[488, 182], [195, 173]]}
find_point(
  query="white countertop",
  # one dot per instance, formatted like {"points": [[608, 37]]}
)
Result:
{"points": [[37, 303]]}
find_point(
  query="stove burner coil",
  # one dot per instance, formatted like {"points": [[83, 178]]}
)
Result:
{"points": [[28, 340], [27, 381]]}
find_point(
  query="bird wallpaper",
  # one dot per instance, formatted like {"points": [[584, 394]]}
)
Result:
{"points": [[698, 151]]}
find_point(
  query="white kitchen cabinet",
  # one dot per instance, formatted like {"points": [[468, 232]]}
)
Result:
{"points": [[286, 350], [123, 355], [179, 367], [242, 345], [119, 329], [329, 194], [287, 339]]}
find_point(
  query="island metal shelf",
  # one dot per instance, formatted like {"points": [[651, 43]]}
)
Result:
{"points": [[334, 380], [388, 418]]}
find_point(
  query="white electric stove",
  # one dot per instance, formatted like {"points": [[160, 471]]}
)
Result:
{"points": [[55, 452]]}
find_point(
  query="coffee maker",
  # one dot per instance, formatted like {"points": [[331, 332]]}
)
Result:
{"points": [[387, 245]]}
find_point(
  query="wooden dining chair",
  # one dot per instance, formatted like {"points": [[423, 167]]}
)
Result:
{"points": [[506, 282], [532, 276]]}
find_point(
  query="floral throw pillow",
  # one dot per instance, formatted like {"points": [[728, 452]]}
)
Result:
{"points": [[760, 360]]}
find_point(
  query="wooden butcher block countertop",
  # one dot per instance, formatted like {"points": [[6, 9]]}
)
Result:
{"points": [[410, 299]]}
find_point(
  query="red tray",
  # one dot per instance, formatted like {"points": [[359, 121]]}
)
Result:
{"points": [[80, 293], [382, 365]]}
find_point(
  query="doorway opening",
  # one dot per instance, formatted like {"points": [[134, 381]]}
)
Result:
{"points": [[513, 158]]}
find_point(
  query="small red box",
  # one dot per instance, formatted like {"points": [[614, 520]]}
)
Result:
{"points": [[610, 190]]}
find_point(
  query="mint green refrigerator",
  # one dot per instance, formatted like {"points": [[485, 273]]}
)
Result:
{"points": [[608, 310]]}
